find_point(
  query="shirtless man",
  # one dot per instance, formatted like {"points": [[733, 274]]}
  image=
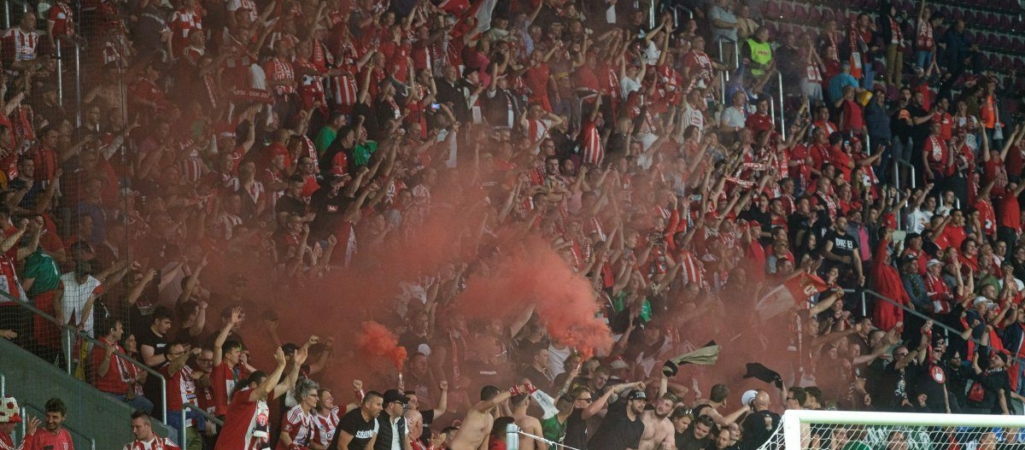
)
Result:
{"points": [[659, 432], [716, 401], [476, 427], [109, 94], [527, 423]]}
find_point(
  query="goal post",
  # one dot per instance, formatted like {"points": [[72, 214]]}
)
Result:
{"points": [[861, 430]]}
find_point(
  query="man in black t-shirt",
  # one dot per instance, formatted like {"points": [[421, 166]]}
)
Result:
{"points": [[759, 425], [359, 427], [841, 251], [151, 343], [930, 378], [292, 202], [622, 428], [585, 406]]}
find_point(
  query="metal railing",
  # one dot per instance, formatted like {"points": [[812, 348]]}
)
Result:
{"points": [[782, 114], [69, 332], [897, 164], [864, 304], [41, 412], [946, 328], [182, 434]]}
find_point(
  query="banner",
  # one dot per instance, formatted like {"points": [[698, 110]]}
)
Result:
{"points": [[794, 291]]}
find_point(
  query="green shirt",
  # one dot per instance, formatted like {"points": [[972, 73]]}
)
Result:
{"points": [[553, 430], [361, 154], [324, 139], [617, 306], [43, 268]]}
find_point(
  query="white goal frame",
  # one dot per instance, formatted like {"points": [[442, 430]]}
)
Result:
{"points": [[794, 422]]}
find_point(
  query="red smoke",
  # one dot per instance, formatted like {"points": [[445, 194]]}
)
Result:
{"points": [[533, 275], [377, 342]]}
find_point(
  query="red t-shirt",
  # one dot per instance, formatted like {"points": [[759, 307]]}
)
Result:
{"points": [[181, 388], [117, 379], [951, 237], [758, 122], [853, 118], [222, 382], [45, 440], [987, 217], [1010, 212], [246, 426]]}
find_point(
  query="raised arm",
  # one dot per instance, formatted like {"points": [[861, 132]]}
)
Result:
{"points": [[270, 383]]}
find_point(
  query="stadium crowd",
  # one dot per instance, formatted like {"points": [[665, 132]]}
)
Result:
{"points": [[284, 142]]}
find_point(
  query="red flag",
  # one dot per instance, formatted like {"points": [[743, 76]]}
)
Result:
{"points": [[794, 291]]}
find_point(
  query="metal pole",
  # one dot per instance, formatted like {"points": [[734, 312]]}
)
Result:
{"points": [[864, 305], [772, 110], [163, 397], [7, 15], [736, 55], [722, 90], [3, 386], [896, 174], [782, 114], [78, 84], [184, 438], [60, 76], [67, 349], [651, 14], [720, 52]]}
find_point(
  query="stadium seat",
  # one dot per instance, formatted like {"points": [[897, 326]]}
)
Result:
{"points": [[786, 11], [1004, 44], [772, 10], [800, 14], [828, 14], [814, 16], [1005, 23]]}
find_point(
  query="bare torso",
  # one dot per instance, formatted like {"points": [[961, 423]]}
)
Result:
{"points": [[658, 433], [529, 425], [474, 431]]}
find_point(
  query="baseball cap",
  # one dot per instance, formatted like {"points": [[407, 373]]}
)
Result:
{"points": [[980, 299], [934, 262], [637, 394], [748, 397], [393, 395]]}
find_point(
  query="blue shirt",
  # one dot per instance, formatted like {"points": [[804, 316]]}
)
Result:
{"points": [[838, 82]]}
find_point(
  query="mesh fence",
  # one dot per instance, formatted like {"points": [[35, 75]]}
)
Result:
{"points": [[899, 437], [65, 90]]}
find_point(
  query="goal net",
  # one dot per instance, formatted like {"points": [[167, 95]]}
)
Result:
{"points": [[855, 430]]}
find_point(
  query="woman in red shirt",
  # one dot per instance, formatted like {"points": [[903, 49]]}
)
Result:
{"points": [[247, 423]]}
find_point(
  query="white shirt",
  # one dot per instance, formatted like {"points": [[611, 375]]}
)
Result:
{"points": [[76, 296], [155, 443], [628, 85], [733, 117], [918, 219]]}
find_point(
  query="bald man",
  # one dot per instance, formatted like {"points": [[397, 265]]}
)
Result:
{"points": [[760, 424]]}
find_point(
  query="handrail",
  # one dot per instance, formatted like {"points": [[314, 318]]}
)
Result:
{"points": [[24, 410], [944, 326], [3, 385], [69, 331], [864, 305], [914, 175], [209, 417], [782, 114]]}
